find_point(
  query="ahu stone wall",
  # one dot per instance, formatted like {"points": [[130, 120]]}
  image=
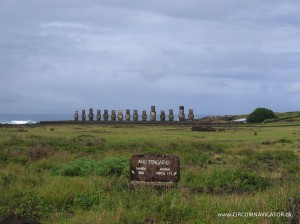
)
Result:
{"points": [[113, 117]]}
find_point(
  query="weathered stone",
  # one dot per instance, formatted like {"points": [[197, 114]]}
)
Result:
{"points": [[98, 117], [153, 108], [181, 113], [120, 115], [153, 114], [105, 115], [83, 115], [91, 114], [191, 115], [76, 116], [144, 115], [113, 115], [135, 115], [127, 115], [162, 115], [154, 168], [171, 115]]}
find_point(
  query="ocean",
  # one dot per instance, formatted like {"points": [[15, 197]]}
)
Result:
{"points": [[36, 118], [32, 118]]}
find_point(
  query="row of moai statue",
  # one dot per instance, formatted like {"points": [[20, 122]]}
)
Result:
{"points": [[119, 117]]}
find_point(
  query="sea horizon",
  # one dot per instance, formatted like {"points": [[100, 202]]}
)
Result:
{"points": [[36, 118]]}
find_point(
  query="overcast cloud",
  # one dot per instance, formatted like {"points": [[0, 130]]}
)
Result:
{"points": [[215, 56]]}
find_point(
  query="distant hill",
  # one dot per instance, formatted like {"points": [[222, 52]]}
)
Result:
{"points": [[292, 116]]}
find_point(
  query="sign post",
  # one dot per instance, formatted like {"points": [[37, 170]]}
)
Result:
{"points": [[154, 169]]}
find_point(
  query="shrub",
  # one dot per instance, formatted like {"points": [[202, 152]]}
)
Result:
{"points": [[37, 153], [85, 167], [86, 201], [228, 181], [259, 115], [286, 159], [198, 159], [29, 205]]}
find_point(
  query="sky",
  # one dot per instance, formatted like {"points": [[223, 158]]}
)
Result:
{"points": [[214, 56]]}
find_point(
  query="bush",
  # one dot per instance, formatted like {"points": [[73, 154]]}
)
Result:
{"points": [[87, 201], [228, 181], [84, 167], [28, 205], [272, 159], [259, 115]]}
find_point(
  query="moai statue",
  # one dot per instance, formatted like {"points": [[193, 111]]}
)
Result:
{"points": [[105, 115], [162, 115], [144, 115], [171, 115], [98, 115], [127, 116], [191, 115], [181, 113], [76, 116], [113, 115], [135, 115], [83, 116], [91, 114], [120, 115], [153, 114]]}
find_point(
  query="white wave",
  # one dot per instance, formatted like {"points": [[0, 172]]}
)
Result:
{"points": [[19, 122]]}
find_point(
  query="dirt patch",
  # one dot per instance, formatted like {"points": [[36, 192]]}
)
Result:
{"points": [[37, 153], [16, 219], [203, 129]]}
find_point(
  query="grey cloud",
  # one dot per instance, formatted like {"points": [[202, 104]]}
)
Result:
{"points": [[219, 54], [154, 71]]}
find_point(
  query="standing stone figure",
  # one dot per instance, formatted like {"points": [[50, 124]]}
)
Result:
{"points": [[98, 115], [191, 115], [113, 115], [127, 116], [120, 115], [162, 115], [171, 115], [76, 116], [135, 115], [83, 116], [181, 113], [91, 114], [144, 115], [105, 115], [153, 114]]}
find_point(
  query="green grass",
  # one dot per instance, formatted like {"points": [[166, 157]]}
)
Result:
{"points": [[80, 174]]}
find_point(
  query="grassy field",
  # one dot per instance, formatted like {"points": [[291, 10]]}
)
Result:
{"points": [[80, 173]]}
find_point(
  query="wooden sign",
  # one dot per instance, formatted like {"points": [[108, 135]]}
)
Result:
{"points": [[154, 168]]}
